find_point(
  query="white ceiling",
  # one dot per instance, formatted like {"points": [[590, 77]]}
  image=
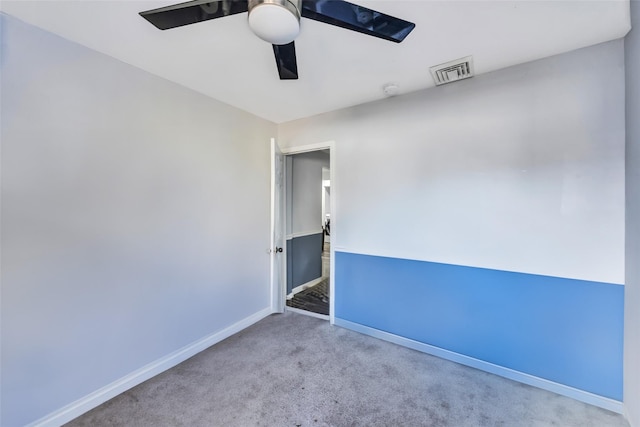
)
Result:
{"points": [[338, 68]]}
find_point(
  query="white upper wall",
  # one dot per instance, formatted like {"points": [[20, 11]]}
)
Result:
{"points": [[306, 192], [135, 219], [521, 169]]}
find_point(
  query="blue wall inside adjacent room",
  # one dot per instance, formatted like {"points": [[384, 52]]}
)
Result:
{"points": [[563, 330], [304, 260]]}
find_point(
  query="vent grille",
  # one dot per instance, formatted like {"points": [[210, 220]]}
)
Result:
{"points": [[453, 71]]}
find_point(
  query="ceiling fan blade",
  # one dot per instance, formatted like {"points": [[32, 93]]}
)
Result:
{"points": [[191, 12], [357, 18], [286, 61]]}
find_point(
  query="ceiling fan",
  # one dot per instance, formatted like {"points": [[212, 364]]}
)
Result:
{"points": [[278, 21]]}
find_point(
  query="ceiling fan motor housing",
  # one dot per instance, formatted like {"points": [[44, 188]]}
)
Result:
{"points": [[275, 21]]}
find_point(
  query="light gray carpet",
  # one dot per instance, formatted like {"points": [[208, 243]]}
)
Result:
{"points": [[295, 370]]}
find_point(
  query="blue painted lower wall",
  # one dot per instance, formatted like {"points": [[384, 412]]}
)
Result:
{"points": [[563, 330]]}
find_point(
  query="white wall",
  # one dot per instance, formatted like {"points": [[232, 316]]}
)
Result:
{"points": [[521, 169], [306, 191], [632, 289], [135, 217]]}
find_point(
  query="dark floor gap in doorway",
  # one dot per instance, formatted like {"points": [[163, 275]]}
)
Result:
{"points": [[314, 299]]}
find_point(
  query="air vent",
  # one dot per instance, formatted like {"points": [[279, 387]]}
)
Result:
{"points": [[452, 71]]}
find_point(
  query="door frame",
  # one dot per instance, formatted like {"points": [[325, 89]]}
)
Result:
{"points": [[328, 145]]}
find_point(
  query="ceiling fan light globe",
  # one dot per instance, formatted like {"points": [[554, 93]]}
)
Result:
{"points": [[274, 22]]}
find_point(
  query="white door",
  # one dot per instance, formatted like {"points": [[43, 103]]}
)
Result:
{"points": [[278, 265]]}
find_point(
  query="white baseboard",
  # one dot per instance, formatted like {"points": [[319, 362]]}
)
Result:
{"points": [[307, 313], [98, 397], [305, 286], [581, 395]]}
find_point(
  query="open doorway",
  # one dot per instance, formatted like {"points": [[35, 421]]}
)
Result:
{"points": [[308, 232]]}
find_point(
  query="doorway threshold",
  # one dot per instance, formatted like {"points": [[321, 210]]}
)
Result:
{"points": [[307, 313]]}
